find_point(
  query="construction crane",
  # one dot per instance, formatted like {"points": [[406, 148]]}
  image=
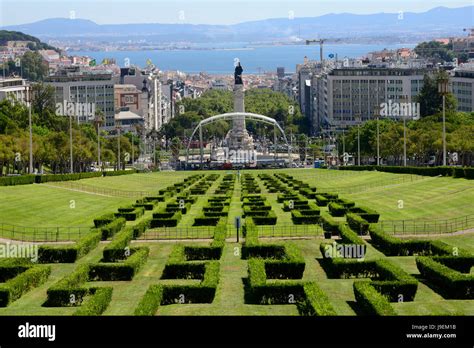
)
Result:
{"points": [[321, 42]]}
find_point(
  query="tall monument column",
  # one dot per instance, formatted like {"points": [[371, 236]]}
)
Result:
{"points": [[238, 137]]}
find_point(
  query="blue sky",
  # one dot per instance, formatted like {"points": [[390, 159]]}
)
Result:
{"points": [[200, 11]]}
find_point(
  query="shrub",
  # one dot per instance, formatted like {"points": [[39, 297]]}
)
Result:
{"points": [[321, 201], [112, 228], [121, 270], [88, 242], [119, 172], [357, 223], [202, 252], [336, 209], [17, 180], [371, 302], [316, 302], [392, 246], [97, 303], [301, 217], [270, 219], [469, 173], [329, 224], [69, 253], [140, 228], [15, 287], [348, 236], [206, 221], [458, 172], [57, 254], [132, 214], [450, 282], [115, 250], [104, 220], [166, 222], [367, 214], [151, 301], [69, 291]]}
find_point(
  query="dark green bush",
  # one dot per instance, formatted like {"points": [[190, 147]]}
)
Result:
{"points": [[15, 287], [357, 223], [370, 301], [316, 302], [120, 270], [112, 228], [70, 287], [151, 301], [97, 303], [321, 201], [450, 282], [336, 209], [17, 180]]}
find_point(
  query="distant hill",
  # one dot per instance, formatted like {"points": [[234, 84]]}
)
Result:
{"points": [[440, 21], [35, 45]]}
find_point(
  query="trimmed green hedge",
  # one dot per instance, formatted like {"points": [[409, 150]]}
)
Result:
{"points": [[17, 180], [316, 302], [392, 246], [305, 217], [69, 253], [116, 250], [112, 228], [150, 302], [104, 220], [336, 209], [130, 214], [66, 177], [329, 224], [370, 301], [321, 201], [450, 282], [348, 236], [367, 214], [120, 270], [119, 172], [69, 291], [357, 223], [165, 221], [15, 287], [206, 220], [97, 303]]}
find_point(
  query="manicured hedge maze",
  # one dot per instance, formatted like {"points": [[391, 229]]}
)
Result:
{"points": [[274, 277], [257, 210], [216, 210], [249, 185], [187, 262], [273, 184], [71, 291]]}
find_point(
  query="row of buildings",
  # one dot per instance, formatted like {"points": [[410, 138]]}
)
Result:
{"points": [[338, 94], [132, 98]]}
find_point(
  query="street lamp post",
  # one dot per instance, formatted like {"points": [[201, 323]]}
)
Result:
{"points": [[377, 119], [118, 145], [30, 99], [71, 161], [358, 119], [443, 90], [403, 99]]}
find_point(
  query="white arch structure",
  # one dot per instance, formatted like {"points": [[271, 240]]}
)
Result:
{"points": [[229, 117]]}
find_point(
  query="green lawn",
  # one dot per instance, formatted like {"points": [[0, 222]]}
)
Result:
{"points": [[41, 205], [425, 198]]}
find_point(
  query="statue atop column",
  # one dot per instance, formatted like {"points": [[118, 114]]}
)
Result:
{"points": [[238, 74]]}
